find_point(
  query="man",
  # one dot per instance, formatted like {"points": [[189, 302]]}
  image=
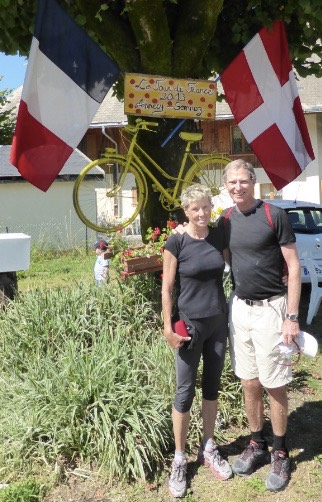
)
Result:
{"points": [[260, 312]]}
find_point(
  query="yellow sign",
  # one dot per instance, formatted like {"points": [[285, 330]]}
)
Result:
{"points": [[156, 96]]}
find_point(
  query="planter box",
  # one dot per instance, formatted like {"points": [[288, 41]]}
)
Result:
{"points": [[142, 264]]}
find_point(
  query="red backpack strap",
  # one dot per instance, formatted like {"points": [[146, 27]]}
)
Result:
{"points": [[267, 211], [227, 215], [270, 221], [268, 214]]}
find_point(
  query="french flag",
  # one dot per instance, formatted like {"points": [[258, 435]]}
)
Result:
{"points": [[261, 90], [67, 78]]}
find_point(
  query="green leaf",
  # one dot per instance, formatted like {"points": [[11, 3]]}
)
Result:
{"points": [[80, 19]]}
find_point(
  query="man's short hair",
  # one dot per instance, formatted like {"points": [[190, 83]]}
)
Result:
{"points": [[237, 164]]}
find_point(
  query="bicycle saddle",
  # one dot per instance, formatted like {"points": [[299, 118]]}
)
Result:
{"points": [[191, 136]]}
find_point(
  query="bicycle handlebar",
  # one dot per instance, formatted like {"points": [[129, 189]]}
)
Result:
{"points": [[142, 124]]}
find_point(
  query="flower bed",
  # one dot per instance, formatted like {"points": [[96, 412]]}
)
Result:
{"points": [[146, 258], [143, 264]]}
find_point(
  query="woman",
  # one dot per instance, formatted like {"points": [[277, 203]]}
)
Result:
{"points": [[194, 263]]}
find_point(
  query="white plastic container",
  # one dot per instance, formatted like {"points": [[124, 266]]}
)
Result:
{"points": [[14, 252]]}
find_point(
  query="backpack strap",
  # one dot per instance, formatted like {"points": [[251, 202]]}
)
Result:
{"points": [[227, 215], [270, 221], [268, 214]]}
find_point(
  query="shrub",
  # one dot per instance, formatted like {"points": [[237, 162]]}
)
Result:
{"points": [[88, 379]]}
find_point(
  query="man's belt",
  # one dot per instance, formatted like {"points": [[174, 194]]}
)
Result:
{"points": [[260, 303]]}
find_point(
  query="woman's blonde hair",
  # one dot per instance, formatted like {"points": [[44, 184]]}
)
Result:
{"points": [[193, 193]]}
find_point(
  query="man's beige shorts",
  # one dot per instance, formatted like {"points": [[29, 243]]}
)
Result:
{"points": [[254, 334]]}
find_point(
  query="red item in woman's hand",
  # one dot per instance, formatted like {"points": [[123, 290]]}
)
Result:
{"points": [[180, 328]]}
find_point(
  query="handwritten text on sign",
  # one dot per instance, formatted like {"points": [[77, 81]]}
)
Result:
{"points": [[169, 97]]}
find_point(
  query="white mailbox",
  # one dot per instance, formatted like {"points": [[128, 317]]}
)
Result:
{"points": [[14, 252]]}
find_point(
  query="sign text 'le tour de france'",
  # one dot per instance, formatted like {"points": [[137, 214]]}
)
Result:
{"points": [[156, 96]]}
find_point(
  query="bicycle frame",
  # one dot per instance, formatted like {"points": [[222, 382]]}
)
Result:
{"points": [[120, 170], [134, 159]]}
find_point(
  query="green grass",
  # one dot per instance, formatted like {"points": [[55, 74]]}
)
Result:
{"points": [[28, 490], [57, 269], [87, 376], [87, 382]]}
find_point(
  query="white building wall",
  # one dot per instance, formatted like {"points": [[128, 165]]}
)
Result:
{"points": [[49, 218]]}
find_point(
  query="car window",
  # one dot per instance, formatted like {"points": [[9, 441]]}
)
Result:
{"points": [[306, 220], [317, 216]]}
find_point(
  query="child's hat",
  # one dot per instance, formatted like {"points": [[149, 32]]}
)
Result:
{"points": [[101, 244]]}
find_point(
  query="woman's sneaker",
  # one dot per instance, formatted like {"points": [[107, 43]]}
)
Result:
{"points": [[218, 466], [251, 457], [279, 474], [178, 479]]}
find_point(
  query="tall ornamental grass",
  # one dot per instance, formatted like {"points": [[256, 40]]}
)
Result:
{"points": [[85, 375], [87, 379]]}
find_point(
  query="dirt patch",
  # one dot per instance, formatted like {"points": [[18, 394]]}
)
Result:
{"points": [[304, 439]]}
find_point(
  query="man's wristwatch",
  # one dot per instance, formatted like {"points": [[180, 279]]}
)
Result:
{"points": [[292, 317]]}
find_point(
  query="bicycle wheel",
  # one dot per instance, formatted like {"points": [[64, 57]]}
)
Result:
{"points": [[104, 198], [208, 171]]}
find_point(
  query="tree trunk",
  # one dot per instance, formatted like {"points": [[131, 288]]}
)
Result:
{"points": [[169, 158]]}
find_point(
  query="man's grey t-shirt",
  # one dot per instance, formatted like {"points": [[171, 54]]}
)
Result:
{"points": [[256, 258]]}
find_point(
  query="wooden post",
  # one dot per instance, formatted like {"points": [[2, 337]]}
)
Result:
{"points": [[8, 287]]}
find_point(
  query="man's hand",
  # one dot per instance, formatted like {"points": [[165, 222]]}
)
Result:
{"points": [[290, 331], [180, 229]]}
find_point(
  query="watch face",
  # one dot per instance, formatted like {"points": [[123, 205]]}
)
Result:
{"points": [[292, 317]]}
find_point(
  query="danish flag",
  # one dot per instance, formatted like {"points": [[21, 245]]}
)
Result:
{"points": [[261, 90]]}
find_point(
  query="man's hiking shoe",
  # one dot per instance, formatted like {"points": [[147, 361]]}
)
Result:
{"points": [[218, 466], [279, 475], [251, 457], [178, 479]]}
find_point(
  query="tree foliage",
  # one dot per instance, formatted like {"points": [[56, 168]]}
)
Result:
{"points": [[6, 121], [177, 38]]}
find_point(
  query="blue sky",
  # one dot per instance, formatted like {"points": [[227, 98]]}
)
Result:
{"points": [[12, 69]]}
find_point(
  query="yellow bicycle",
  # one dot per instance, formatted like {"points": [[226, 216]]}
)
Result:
{"points": [[110, 192]]}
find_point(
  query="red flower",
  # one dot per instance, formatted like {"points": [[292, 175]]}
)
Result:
{"points": [[172, 223]]}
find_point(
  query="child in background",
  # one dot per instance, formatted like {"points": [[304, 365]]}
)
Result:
{"points": [[101, 268]]}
